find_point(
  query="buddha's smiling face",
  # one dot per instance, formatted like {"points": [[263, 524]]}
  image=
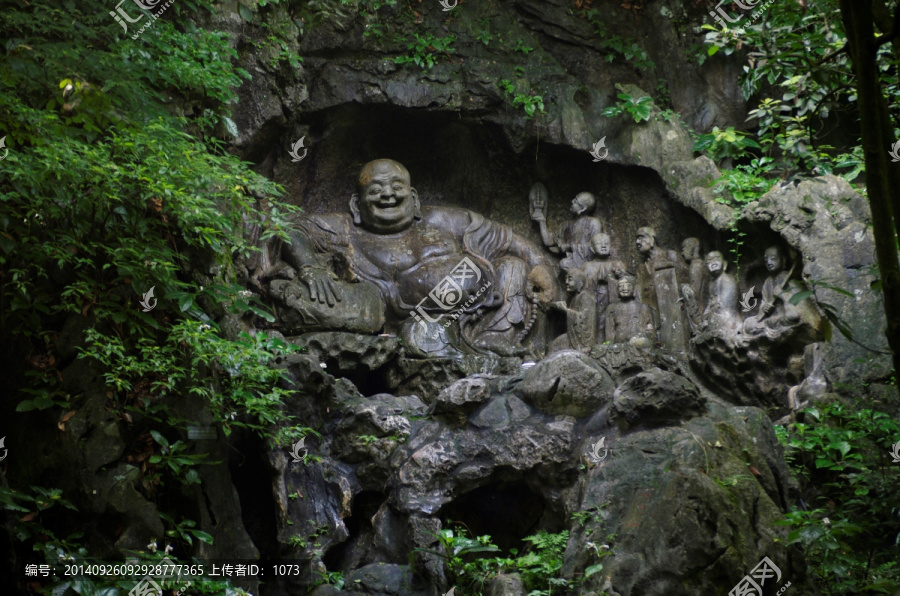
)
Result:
{"points": [[386, 203]]}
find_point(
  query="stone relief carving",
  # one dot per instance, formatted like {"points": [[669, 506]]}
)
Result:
{"points": [[658, 277], [581, 313], [434, 268], [456, 286], [721, 316], [628, 320], [600, 274], [572, 239], [777, 315]]}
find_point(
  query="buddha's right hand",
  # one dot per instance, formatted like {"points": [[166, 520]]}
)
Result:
{"points": [[321, 285]]}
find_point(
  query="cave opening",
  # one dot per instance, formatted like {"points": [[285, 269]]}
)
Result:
{"points": [[507, 511]]}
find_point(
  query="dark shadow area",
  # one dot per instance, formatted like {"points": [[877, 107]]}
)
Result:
{"points": [[507, 511], [346, 555]]}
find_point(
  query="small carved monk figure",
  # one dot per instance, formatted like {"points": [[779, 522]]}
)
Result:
{"points": [[599, 275], [573, 238], [690, 252], [629, 321], [722, 307], [581, 314]]}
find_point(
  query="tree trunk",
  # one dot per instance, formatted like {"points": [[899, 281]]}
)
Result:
{"points": [[882, 176]]}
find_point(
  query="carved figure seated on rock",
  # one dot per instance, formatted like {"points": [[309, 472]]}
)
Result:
{"points": [[573, 239], [450, 271], [581, 313], [658, 286], [597, 275], [629, 320], [776, 313], [721, 316]]}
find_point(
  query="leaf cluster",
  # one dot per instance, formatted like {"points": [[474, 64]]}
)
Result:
{"points": [[842, 458]]}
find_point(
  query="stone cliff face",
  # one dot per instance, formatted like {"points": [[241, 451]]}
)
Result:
{"points": [[694, 477]]}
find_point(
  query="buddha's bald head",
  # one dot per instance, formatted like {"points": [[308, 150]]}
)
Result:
{"points": [[385, 202], [370, 170]]}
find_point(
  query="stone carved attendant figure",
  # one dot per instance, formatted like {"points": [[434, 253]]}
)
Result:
{"points": [[721, 315], [694, 293], [600, 274], [776, 313], [628, 320], [581, 312], [658, 285], [573, 239]]}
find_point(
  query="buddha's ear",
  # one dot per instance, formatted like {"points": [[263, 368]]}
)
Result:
{"points": [[415, 197], [354, 209]]}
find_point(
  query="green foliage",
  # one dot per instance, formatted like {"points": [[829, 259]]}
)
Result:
{"points": [[331, 578], [174, 457], [185, 530], [842, 459], [521, 47], [720, 144], [424, 49], [106, 192], [530, 102], [628, 48], [797, 64], [540, 567], [247, 394], [640, 108]]}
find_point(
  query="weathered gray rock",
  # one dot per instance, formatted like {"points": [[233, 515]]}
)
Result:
{"points": [[655, 398], [567, 382], [464, 395], [692, 508], [501, 411], [383, 579], [506, 584], [350, 354]]}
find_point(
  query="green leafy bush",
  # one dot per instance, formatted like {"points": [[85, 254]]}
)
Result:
{"points": [[426, 50], [729, 143], [530, 102], [540, 567], [842, 459], [640, 108]]}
